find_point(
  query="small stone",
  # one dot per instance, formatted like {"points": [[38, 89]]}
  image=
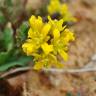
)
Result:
{"points": [[94, 57]]}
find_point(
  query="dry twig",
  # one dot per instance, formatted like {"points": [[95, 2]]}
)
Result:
{"points": [[52, 70], [15, 71]]}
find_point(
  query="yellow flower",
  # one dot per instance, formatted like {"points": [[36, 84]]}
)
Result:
{"points": [[67, 36], [55, 6], [38, 66], [47, 48], [56, 24], [61, 38], [38, 27], [36, 23], [64, 9], [43, 62], [47, 61], [46, 40], [63, 54], [28, 48], [37, 35]]}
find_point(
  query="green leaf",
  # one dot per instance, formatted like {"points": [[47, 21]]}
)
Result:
{"points": [[3, 57], [24, 27], [23, 31], [22, 61], [8, 2], [2, 18], [8, 38]]}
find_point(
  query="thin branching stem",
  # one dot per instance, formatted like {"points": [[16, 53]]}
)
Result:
{"points": [[52, 70], [70, 70]]}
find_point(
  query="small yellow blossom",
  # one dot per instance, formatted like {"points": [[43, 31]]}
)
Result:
{"points": [[69, 36], [36, 23], [64, 9], [47, 61], [61, 39], [38, 65], [46, 40], [56, 24], [55, 6], [28, 48]]}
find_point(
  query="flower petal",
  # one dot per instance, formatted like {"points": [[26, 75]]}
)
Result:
{"points": [[46, 29], [69, 35], [36, 23], [32, 20], [38, 66], [28, 48], [30, 33], [47, 48], [63, 54], [56, 33], [64, 9]]}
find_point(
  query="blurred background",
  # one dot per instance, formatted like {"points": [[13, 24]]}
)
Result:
{"points": [[14, 15]]}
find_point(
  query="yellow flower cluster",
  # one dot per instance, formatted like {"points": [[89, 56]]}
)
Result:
{"points": [[55, 6], [46, 41]]}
